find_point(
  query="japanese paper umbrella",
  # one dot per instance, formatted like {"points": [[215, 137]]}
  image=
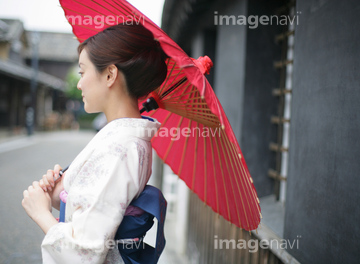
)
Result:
{"points": [[195, 138]]}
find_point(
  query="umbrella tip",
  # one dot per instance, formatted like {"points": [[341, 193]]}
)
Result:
{"points": [[223, 127]]}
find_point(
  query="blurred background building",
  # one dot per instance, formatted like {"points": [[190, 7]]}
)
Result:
{"points": [[33, 70], [291, 93]]}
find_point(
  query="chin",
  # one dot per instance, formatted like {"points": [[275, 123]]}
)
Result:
{"points": [[91, 111]]}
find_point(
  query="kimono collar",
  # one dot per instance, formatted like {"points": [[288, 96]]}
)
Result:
{"points": [[144, 128]]}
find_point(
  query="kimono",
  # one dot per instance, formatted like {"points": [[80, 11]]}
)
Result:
{"points": [[104, 178]]}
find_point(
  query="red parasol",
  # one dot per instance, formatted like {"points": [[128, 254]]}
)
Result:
{"points": [[195, 138]]}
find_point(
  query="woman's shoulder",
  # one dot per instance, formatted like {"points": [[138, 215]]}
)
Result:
{"points": [[129, 129]]}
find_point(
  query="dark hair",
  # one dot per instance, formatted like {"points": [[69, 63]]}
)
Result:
{"points": [[134, 51]]}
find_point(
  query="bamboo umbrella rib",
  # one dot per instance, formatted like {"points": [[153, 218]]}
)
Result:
{"points": [[184, 150], [193, 112], [125, 7], [208, 123], [175, 77], [238, 173], [118, 10], [182, 95], [171, 97], [162, 124], [231, 172], [248, 196], [197, 111], [97, 11], [252, 192], [244, 175], [215, 180], [172, 141], [223, 179], [195, 159], [92, 29], [245, 172], [152, 113], [205, 168], [166, 80], [199, 97]]}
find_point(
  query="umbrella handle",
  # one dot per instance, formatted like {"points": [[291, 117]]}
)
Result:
{"points": [[61, 173]]}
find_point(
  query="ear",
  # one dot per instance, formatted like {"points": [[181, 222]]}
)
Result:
{"points": [[112, 74]]}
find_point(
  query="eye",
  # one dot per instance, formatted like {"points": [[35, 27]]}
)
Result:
{"points": [[81, 73]]}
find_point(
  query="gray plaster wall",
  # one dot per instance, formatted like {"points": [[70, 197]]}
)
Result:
{"points": [[259, 104], [244, 79], [322, 203], [230, 66]]}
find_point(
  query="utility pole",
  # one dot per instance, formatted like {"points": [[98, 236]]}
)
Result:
{"points": [[31, 110]]}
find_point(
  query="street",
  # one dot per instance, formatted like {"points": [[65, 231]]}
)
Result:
{"points": [[24, 160], [21, 162]]}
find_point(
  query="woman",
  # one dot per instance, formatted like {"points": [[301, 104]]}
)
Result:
{"points": [[117, 66]]}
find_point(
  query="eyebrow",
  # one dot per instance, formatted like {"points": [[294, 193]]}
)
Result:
{"points": [[81, 63]]}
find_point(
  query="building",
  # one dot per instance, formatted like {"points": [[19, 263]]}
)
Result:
{"points": [[287, 76], [33, 67]]}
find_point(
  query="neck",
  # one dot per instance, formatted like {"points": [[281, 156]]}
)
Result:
{"points": [[122, 107]]}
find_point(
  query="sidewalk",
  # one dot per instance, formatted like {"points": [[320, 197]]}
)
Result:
{"points": [[170, 254], [6, 135]]}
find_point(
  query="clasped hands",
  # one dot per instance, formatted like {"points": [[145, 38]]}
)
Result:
{"points": [[42, 195]]}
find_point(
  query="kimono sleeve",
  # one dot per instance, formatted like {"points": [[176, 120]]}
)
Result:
{"points": [[99, 195]]}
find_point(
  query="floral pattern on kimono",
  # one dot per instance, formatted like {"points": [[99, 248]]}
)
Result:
{"points": [[104, 178]]}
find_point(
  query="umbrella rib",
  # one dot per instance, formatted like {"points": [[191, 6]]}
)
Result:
{"points": [[208, 118], [125, 8], [197, 118], [216, 190], [172, 141], [222, 144], [194, 112], [96, 11], [162, 124], [205, 167], [239, 173], [199, 97], [195, 159], [243, 185], [184, 151], [184, 94], [187, 108], [152, 113], [167, 79], [255, 198], [109, 9], [171, 98], [96, 30], [223, 179], [172, 82]]}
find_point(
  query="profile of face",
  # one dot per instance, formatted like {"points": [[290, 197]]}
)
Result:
{"points": [[92, 84]]}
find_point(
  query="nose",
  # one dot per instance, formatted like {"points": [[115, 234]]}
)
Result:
{"points": [[78, 85]]}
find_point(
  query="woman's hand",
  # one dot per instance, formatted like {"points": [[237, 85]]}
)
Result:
{"points": [[53, 187], [37, 205], [36, 202], [49, 179]]}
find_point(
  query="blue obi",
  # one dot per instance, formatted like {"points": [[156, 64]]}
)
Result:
{"points": [[135, 251]]}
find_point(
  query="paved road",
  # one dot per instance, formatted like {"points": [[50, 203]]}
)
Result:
{"points": [[26, 159], [21, 162]]}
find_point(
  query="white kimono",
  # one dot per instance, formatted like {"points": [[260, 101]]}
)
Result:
{"points": [[103, 179]]}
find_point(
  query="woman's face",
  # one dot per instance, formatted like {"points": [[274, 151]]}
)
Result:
{"points": [[91, 84]]}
